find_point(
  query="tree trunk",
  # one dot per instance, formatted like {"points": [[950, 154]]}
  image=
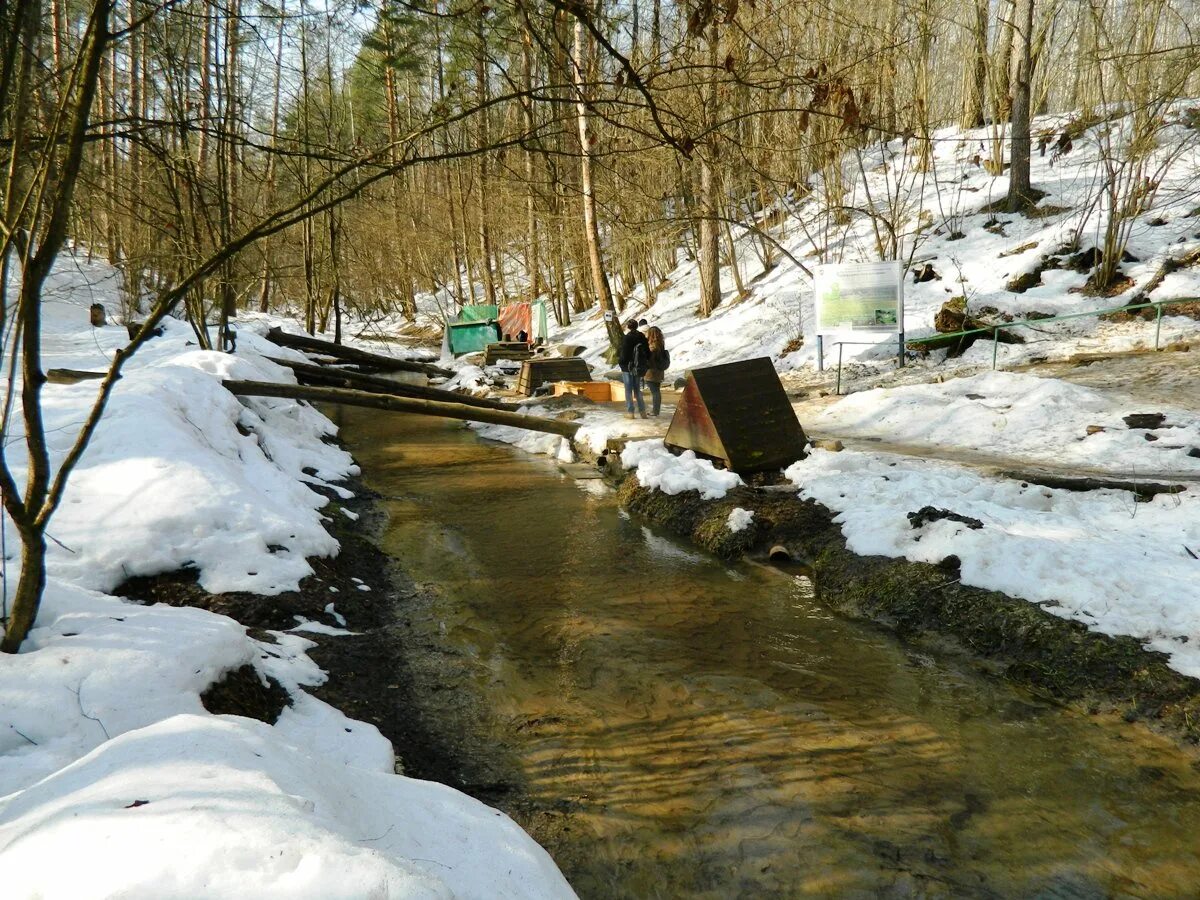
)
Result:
{"points": [[27, 598], [975, 70], [708, 229], [591, 228], [532, 251], [485, 234], [1019, 195]]}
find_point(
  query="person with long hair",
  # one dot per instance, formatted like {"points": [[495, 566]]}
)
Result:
{"points": [[656, 367]]}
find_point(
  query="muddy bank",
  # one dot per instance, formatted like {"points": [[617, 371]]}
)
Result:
{"points": [[1059, 659], [370, 673]]}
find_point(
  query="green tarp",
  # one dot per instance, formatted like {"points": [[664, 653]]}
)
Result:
{"points": [[478, 312]]}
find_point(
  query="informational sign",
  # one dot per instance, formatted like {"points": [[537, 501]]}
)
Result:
{"points": [[859, 298], [609, 315]]}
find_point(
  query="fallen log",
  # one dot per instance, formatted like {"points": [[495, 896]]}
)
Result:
{"points": [[73, 376], [1145, 490], [352, 354], [401, 404], [322, 376]]}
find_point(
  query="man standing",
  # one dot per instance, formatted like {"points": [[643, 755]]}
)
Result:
{"points": [[633, 360]]}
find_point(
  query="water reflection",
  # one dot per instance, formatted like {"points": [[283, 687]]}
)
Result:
{"points": [[684, 728]]}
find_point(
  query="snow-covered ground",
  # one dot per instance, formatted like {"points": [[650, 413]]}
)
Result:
{"points": [[114, 780]]}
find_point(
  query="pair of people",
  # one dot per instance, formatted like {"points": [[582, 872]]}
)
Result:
{"points": [[643, 357]]}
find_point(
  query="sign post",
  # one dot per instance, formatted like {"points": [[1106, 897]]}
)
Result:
{"points": [[856, 300]]}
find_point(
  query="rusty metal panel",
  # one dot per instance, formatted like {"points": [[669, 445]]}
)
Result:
{"points": [[738, 413]]}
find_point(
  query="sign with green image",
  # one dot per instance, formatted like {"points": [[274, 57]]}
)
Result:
{"points": [[857, 298]]}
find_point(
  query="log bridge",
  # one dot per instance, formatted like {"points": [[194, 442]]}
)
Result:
{"points": [[353, 355], [326, 384], [396, 403]]}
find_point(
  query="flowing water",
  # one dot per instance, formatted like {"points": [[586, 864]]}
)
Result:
{"points": [[680, 727]]}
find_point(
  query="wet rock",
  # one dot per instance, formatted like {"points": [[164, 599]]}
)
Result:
{"points": [[1096, 429], [925, 273], [833, 446], [1035, 315], [1150, 437], [1194, 453], [975, 397], [1144, 420], [1085, 260], [1024, 282], [927, 514]]}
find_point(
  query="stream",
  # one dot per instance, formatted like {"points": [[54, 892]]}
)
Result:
{"points": [[668, 725]]}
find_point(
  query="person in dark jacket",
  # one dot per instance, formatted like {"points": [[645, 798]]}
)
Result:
{"points": [[633, 366], [658, 360]]}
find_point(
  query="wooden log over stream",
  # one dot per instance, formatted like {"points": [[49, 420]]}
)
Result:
{"points": [[401, 404], [352, 354], [324, 376]]}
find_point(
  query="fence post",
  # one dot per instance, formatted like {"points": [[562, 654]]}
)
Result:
{"points": [[995, 345], [838, 392], [820, 353], [1157, 324]]}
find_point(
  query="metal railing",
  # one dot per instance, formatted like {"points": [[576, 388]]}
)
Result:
{"points": [[994, 330]]}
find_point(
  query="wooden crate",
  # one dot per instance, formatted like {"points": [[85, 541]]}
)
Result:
{"points": [[599, 391], [536, 372], [515, 350]]}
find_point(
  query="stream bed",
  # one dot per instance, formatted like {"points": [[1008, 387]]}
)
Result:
{"points": [[668, 725]]}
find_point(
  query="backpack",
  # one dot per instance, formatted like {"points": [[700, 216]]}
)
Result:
{"points": [[641, 358]]}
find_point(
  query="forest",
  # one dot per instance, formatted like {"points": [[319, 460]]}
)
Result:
{"points": [[352, 157]]}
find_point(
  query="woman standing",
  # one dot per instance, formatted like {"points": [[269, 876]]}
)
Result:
{"points": [[659, 362]]}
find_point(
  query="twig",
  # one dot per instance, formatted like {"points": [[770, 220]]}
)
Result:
{"points": [[83, 712], [23, 734], [60, 543], [380, 838]]}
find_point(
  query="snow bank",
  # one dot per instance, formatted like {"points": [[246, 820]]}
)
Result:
{"points": [[1020, 416], [660, 469], [1120, 566], [218, 807], [114, 780]]}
